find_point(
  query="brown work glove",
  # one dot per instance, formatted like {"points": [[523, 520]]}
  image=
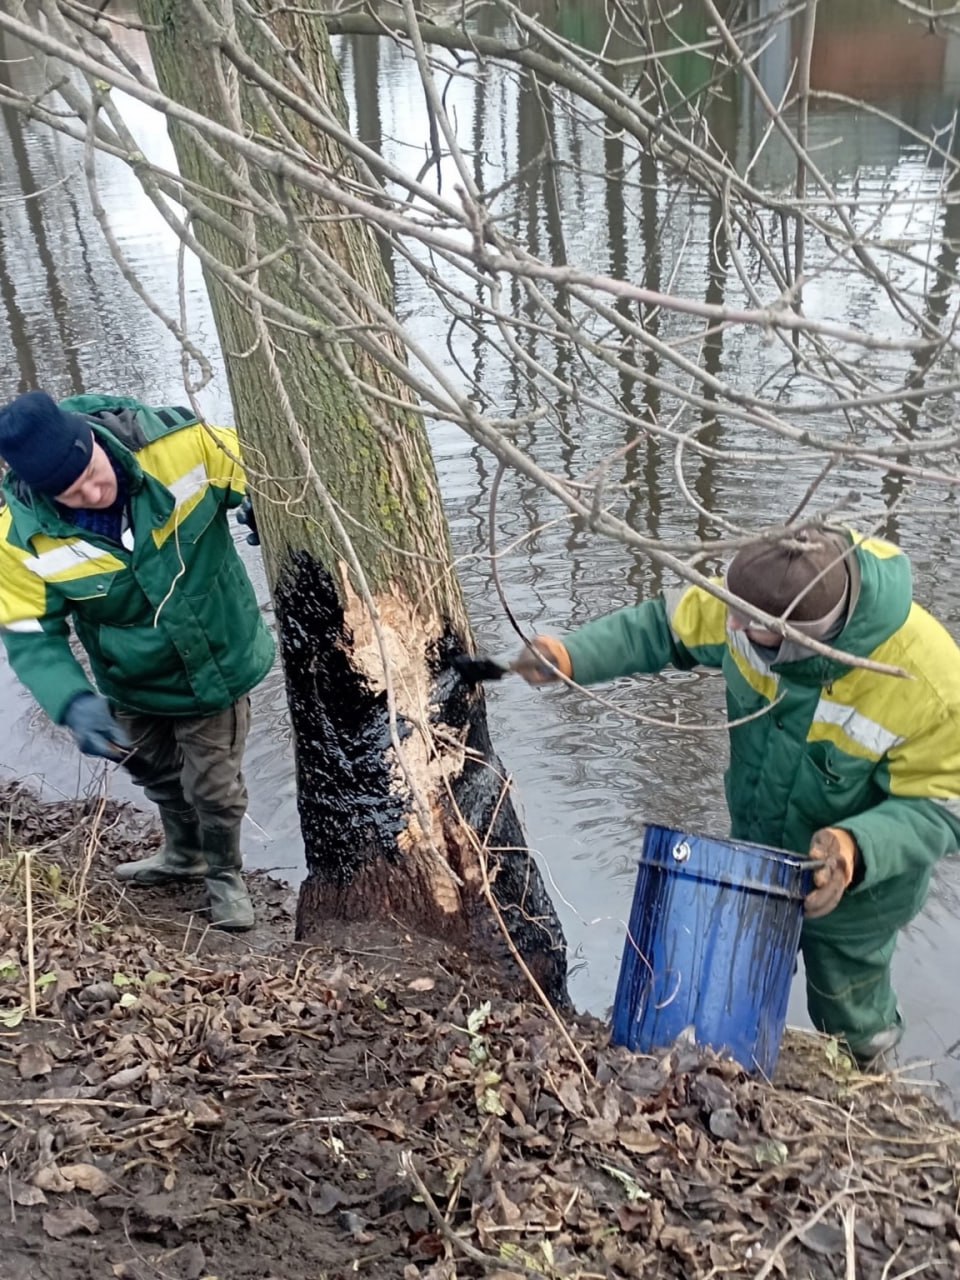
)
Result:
{"points": [[838, 852], [532, 667]]}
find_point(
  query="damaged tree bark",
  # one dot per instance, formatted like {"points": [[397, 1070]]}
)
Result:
{"points": [[401, 796]]}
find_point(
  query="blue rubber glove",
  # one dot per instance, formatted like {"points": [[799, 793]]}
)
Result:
{"points": [[96, 732], [246, 515]]}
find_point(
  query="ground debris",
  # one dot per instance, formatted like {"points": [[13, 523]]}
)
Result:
{"points": [[189, 1104]]}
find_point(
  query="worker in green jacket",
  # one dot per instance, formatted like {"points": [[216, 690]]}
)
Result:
{"points": [[860, 769], [115, 521]]}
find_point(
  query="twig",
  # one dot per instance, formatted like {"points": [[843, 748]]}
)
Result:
{"points": [[803, 89], [795, 1232], [891, 1260], [107, 1103], [27, 860], [80, 884], [481, 852], [848, 1223], [408, 1170]]}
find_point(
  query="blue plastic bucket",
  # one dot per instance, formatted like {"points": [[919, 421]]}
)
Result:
{"points": [[711, 946]]}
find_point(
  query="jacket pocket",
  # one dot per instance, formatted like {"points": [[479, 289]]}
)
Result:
{"points": [[135, 656], [81, 589], [227, 614], [832, 785]]}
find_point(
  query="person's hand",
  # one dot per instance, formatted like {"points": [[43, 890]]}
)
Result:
{"points": [[530, 663], [837, 851], [247, 516], [96, 732]]}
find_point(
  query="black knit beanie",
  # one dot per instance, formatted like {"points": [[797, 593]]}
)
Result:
{"points": [[47, 448]]}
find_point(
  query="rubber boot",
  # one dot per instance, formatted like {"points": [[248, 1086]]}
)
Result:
{"points": [[180, 858], [875, 1055], [230, 905]]}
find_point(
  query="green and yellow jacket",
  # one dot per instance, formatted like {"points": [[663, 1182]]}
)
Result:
{"points": [[170, 622], [835, 745]]}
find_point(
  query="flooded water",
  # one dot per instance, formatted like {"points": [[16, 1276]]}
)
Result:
{"points": [[588, 775]]}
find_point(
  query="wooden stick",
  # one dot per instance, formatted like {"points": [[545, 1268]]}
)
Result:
{"points": [[31, 952], [408, 1169], [797, 1231], [849, 1218], [110, 1103]]}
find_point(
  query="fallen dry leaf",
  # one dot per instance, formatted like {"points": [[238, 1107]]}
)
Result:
{"points": [[27, 1196], [422, 984], [87, 1177], [71, 1177], [204, 1114], [49, 1178], [123, 1079], [34, 1061], [61, 1223]]}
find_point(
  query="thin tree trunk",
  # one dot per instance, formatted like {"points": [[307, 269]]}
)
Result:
{"points": [[393, 809]]}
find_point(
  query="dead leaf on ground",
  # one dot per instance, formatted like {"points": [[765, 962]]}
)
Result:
{"points": [[639, 1141], [87, 1177], [34, 1061], [330, 1198], [422, 984], [823, 1238], [204, 1114], [445, 1269], [26, 1196], [725, 1124], [62, 1179], [123, 1079], [49, 1178], [630, 1217], [61, 1223], [132, 1270], [355, 1225]]}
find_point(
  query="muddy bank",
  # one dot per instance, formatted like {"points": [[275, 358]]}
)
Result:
{"points": [[186, 1104]]}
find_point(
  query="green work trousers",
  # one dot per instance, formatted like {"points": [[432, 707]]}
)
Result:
{"points": [[847, 957], [192, 764]]}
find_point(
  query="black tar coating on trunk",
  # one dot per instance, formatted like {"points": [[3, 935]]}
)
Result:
{"points": [[348, 814], [518, 887]]}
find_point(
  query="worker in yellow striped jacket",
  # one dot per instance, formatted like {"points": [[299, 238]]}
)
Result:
{"points": [[861, 769], [115, 522]]}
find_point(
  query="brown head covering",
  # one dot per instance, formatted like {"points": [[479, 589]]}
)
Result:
{"points": [[773, 576]]}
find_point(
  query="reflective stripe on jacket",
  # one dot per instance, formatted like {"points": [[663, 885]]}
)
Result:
{"points": [[829, 744], [170, 623]]}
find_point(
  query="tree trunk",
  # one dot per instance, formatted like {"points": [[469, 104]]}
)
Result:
{"points": [[394, 818]]}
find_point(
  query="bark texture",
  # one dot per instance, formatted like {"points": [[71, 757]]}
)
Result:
{"points": [[383, 827]]}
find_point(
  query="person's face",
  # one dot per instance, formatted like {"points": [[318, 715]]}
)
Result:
{"points": [[96, 488], [755, 633]]}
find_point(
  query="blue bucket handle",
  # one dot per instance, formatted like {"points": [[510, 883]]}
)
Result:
{"points": [[772, 891]]}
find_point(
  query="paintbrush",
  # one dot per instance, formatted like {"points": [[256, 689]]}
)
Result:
{"points": [[473, 669]]}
